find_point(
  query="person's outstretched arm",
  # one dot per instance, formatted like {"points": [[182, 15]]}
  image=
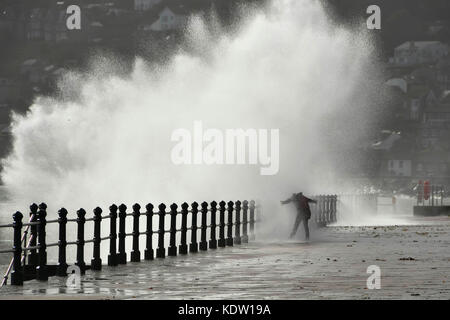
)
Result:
{"points": [[311, 200], [286, 201]]}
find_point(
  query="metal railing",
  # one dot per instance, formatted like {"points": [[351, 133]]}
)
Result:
{"points": [[23, 240], [325, 210], [430, 195], [229, 215]]}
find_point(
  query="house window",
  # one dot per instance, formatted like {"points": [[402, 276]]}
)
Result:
{"points": [[419, 167], [400, 164]]}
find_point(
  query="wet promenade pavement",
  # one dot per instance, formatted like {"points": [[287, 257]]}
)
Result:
{"points": [[414, 262]]}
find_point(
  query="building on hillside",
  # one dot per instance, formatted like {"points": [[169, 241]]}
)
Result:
{"points": [[438, 28], [401, 165], [55, 28], [387, 140], [394, 161], [144, 5], [9, 91], [419, 52], [35, 24], [118, 26], [170, 18], [418, 100], [399, 168], [400, 83], [443, 74], [31, 70], [432, 166], [7, 19], [434, 130], [424, 75]]}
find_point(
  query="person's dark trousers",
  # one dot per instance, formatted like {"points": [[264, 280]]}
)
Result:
{"points": [[300, 217], [305, 225]]}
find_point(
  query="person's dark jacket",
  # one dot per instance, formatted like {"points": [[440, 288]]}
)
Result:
{"points": [[301, 203]]}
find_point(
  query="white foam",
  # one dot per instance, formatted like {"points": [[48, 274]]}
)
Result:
{"points": [[108, 139]]}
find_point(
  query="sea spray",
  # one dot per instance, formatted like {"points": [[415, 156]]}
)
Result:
{"points": [[106, 138]]}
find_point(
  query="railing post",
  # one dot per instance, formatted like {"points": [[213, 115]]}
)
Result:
{"points": [[203, 242], [324, 208], [237, 230], [421, 193], [17, 273], [173, 230], [333, 203], [183, 248], [80, 240], [230, 224], [61, 269], [432, 194], [213, 241], [161, 251], [33, 257], [252, 220], [96, 262], [331, 199], [149, 253], [316, 210], [193, 246], [244, 237], [112, 257], [136, 254], [122, 234], [321, 203], [41, 269], [221, 243], [334, 208]]}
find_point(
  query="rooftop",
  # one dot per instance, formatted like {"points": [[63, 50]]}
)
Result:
{"points": [[418, 44]]}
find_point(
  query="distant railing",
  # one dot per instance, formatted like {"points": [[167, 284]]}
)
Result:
{"points": [[355, 203], [429, 194], [325, 211], [229, 216]]}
